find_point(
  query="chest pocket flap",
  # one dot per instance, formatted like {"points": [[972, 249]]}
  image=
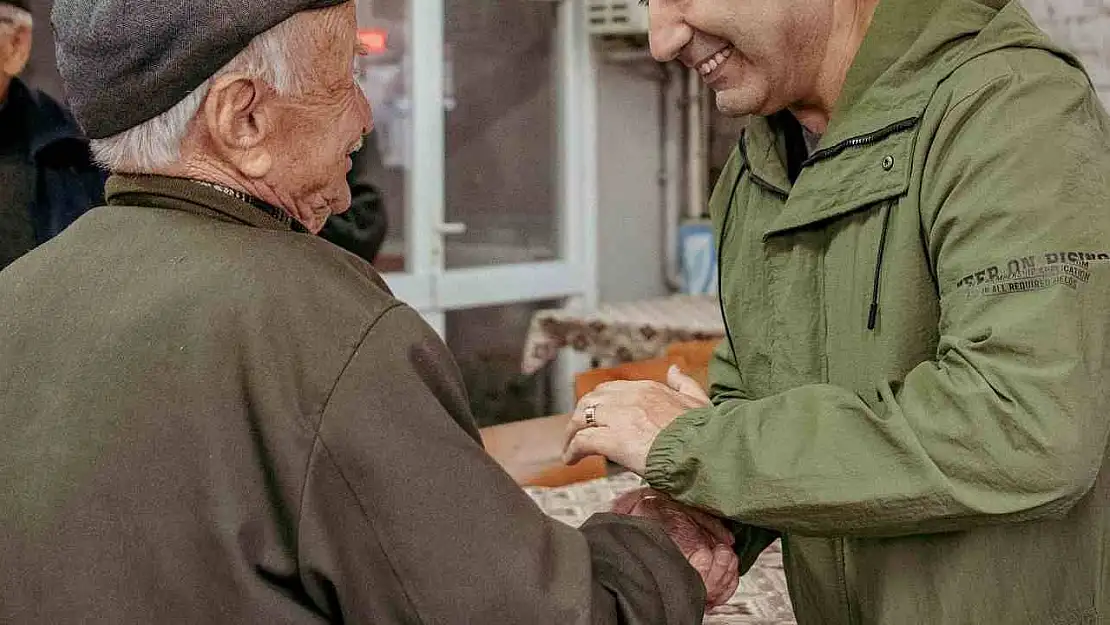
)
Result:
{"points": [[854, 178]]}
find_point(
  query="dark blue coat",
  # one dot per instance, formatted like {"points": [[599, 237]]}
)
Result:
{"points": [[67, 183]]}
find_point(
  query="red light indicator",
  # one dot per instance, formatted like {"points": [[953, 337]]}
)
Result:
{"points": [[375, 40]]}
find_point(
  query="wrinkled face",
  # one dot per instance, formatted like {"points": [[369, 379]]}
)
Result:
{"points": [[319, 129], [759, 56]]}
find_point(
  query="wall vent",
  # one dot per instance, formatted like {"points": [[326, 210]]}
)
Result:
{"points": [[617, 17]]}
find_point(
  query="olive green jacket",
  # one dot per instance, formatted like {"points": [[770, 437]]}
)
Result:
{"points": [[912, 389]]}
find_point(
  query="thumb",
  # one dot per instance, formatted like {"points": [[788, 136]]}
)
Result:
{"points": [[686, 385]]}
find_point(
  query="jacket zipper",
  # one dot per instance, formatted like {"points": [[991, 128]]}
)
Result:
{"points": [[873, 137], [867, 139], [842, 573]]}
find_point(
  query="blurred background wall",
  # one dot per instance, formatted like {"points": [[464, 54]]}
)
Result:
{"points": [[1083, 26]]}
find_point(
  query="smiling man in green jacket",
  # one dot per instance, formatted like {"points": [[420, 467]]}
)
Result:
{"points": [[915, 262]]}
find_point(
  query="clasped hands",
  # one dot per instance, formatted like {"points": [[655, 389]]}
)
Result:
{"points": [[703, 540], [620, 420]]}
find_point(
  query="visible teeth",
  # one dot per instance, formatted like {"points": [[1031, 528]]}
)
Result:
{"points": [[712, 64]]}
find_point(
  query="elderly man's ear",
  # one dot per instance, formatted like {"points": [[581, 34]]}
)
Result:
{"points": [[15, 51], [241, 119]]}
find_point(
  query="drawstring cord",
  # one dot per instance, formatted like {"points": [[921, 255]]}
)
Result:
{"points": [[720, 257], [873, 312]]}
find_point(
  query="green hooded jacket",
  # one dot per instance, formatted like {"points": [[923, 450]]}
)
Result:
{"points": [[918, 321]]}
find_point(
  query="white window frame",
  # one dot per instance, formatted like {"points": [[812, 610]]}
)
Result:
{"points": [[427, 284]]}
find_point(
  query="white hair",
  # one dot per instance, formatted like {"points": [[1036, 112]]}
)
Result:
{"points": [[156, 143], [17, 16]]}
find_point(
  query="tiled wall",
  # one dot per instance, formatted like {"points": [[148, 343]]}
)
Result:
{"points": [[1083, 26]]}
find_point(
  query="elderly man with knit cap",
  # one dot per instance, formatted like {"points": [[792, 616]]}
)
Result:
{"points": [[211, 416], [46, 176]]}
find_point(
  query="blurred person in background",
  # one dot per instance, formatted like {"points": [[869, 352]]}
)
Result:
{"points": [[915, 276], [362, 229], [47, 178], [212, 415]]}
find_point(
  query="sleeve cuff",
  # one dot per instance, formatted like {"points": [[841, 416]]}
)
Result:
{"points": [[668, 464]]}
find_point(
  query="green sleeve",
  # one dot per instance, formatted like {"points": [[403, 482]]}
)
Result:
{"points": [[727, 384], [725, 380], [1009, 422]]}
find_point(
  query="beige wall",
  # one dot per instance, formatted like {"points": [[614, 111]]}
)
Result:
{"points": [[630, 218], [1083, 26]]}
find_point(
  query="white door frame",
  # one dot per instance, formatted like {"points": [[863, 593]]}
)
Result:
{"points": [[428, 285]]}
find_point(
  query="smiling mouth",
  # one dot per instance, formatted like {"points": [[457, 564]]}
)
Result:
{"points": [[718, 59]]}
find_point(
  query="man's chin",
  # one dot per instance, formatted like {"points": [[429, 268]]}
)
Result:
{"points": [[738, 102], [336, 200], [318, 217], [342, 202], [315, 224]]}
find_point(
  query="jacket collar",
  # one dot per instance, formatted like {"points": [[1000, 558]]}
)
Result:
{"points": [[890, 78], [911, 46], [191, 197]]}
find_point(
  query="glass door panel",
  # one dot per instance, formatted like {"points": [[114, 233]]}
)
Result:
{"points": [[385, 76], [501, 140]]}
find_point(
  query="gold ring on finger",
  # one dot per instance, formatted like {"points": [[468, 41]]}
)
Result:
{"points": [[591, 415]]}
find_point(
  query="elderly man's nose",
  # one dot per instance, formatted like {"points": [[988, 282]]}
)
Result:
{"points": [[669, 32]]}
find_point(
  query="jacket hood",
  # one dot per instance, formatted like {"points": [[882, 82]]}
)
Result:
{"points": [[913, 45]]}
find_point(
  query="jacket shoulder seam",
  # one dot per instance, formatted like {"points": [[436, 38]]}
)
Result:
{"points": [[350, 358], [986, 84], [316, 427], [319, 446], [1005, 68]]}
